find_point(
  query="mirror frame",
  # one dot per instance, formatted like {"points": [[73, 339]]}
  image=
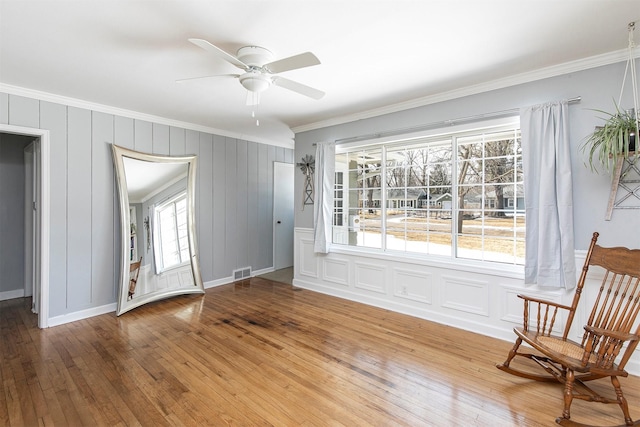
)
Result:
{"points": [[119, 153]]}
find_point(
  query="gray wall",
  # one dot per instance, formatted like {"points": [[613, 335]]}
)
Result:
{"points": [[598, 87], [234, 196], [12, 211]]}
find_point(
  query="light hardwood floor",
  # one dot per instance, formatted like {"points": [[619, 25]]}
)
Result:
{"points": [[261, 353]]}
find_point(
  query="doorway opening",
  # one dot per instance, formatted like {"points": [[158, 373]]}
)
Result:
{"points": [[34, 144]]}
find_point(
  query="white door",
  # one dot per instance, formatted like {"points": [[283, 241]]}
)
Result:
{"points": [[282, 215]]}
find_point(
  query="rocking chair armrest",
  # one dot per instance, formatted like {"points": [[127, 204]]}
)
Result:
{"points": [[621, 336], [542, 301]]}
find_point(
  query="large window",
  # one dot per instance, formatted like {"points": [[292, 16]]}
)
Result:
{"points": [[172, 242], [458, 195]]}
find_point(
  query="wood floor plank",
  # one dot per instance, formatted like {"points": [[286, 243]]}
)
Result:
{"points": [[263, 353]]}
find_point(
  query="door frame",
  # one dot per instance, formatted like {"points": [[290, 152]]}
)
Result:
{"points": [[45, 213]]}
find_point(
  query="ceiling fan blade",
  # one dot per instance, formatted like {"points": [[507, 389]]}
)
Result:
{"points": [[195, 79], [302, 60], [297, 87], [219, 53]]}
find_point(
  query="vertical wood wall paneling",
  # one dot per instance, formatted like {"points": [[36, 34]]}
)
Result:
{"points": [[160, 136], [231, 239], [220, 269], [205, 202], [143, 136], [192, 142], [252, 244], [242, 216], [104, 271], [79, 210], [280, 154], [4, 108], [239, 190], [24, 111], [264, 227], [177, 141], [54, 118], [123, 133]]}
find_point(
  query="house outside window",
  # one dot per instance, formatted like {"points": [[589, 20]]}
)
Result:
{"points": [[457, 195]]}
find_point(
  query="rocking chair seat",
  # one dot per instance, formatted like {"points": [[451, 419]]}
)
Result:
{"points": [[554, 346]]}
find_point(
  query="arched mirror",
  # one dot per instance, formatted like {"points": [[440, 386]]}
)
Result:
{"points": [[159, 252]]}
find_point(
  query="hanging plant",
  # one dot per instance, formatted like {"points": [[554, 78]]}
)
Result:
{"points": [[615, 139]]}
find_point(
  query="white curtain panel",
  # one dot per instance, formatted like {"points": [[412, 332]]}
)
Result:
{"points": [[323, 203], [546, 154]]}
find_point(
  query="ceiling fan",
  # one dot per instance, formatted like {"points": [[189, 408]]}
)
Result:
{"points": [[260, 72]]}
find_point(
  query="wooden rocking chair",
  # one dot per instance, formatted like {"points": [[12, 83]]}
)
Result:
{"points": [[607, 343], [134, 272]]}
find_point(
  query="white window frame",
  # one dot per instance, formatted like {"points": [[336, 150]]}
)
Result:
{"points": [[506, 269], [157, 234]]}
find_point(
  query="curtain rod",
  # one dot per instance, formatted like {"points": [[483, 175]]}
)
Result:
{"points": [[450, 122]]}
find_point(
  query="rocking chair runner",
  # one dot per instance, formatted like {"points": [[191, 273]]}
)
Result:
{"points": [[608, 333]]}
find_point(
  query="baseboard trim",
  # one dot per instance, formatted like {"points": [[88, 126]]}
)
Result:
{"points": [[108, 308], [82, 314], [228, 280], [16, 293]]}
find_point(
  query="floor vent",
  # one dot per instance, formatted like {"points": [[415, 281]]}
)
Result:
{"points": [[241, 273]]}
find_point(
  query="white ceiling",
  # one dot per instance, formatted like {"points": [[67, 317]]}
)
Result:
{"points": [[146, 179], [374, 53]]}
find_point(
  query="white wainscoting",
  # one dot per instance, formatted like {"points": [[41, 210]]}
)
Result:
{"points": [[478, 300]]}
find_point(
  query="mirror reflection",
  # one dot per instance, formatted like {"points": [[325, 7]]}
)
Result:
{"points": [[159, 253]]}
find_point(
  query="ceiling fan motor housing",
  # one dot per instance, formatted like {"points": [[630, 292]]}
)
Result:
{"points": [[254, 55]]}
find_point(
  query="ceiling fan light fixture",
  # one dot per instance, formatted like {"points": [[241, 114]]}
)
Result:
{"points": [[255, 82]]}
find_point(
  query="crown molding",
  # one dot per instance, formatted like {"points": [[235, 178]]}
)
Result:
{"points": [[73, 102], [530, 76]]}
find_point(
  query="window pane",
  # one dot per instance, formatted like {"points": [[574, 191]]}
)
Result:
{"points": [[181, 222], [168, 237], [172, 238], [424, 206], [491, 198]]}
